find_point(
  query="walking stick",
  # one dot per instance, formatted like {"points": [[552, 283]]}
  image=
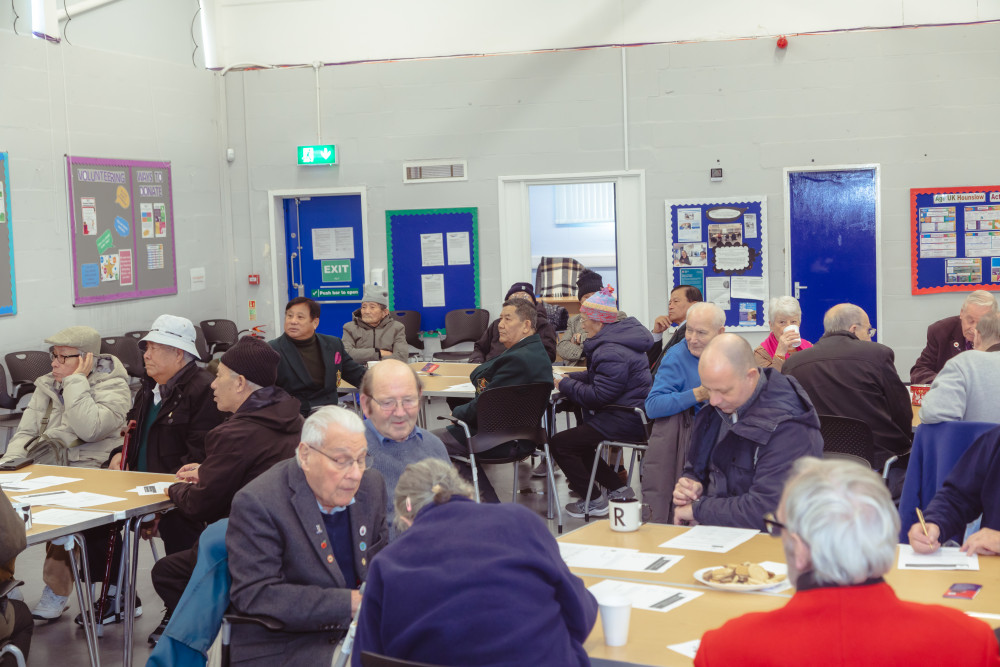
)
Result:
{"points": [[112, 534]]}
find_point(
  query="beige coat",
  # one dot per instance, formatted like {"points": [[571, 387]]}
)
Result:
{"points": [[363, 341], [88, 417]]}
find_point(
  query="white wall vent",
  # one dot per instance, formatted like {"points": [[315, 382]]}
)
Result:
{"points": [[435, 171]]}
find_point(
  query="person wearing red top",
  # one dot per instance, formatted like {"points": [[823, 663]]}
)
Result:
{"points": [[839, 530]]}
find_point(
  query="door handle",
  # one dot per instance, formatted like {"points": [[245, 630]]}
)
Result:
{"points": [[798, 288], [292, 259]]}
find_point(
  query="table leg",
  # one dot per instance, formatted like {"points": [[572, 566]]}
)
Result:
{"points": [[70, 542], [130, 563]]}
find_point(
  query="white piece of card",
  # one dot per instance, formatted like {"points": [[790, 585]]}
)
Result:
{"points": [[39, 483], [12, 477], [431, 250], [69, 499], [716, 539], [945, 558], [465, 386], [157, 488], [43, 497], [688, 649], [59, 517], [458, 248], [610, 558], [432, 290], [644, 596]]}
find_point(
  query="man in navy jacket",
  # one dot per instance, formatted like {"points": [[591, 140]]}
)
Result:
{"points": [[744, 445]]}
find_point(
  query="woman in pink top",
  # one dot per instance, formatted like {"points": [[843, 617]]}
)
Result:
{"points": [[784, 339]]}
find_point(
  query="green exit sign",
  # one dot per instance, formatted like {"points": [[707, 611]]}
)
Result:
{"points": [[336, 270], [319, 154]]}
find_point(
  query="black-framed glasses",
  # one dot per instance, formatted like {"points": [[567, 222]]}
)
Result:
{"points": [[63, 357], [344, 463], [773, 526]]}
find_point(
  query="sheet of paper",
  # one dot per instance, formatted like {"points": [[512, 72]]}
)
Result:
{"points": [[980, 614], [458, 248], [12, 477], [732, 258], [39, 483], [69, 499], [158, 488], [645, 596], [432, 290], [43, 497], [945, 558], [431, 250], [610, 558], [688, 649], [718, 292], [717, 539], [58, 517], [465, 386], [333, 243], [688, 225], [742, 287]]}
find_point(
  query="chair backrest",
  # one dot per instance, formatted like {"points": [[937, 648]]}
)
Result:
{"points": [[127, 350], [369, 659], [138, 335], [7, 401], [847, 436], [411, 322], [220, 334], [25, 368], [511, 413], [200, 344], [464, 325]]}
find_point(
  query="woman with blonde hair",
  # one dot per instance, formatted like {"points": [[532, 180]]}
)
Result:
{"points": [[435, 594]]}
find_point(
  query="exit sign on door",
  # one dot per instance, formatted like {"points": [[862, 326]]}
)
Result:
{"points": [[336, 270]]}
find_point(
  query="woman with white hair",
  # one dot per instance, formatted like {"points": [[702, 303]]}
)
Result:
{"points": [[436, 593], [784, 318]]}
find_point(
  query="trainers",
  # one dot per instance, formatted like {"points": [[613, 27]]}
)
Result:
{"points": [[624, 493], [110, 616], [541, 470], [598, 507], [50, 606], [154, 636]]}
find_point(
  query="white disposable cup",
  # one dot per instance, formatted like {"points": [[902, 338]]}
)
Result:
{"points": [[616, 610], [625, 515], [795, 328]]}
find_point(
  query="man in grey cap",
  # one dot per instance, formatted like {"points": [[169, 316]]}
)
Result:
{"points": [[374, 334], [173, 412], [75, 417]]}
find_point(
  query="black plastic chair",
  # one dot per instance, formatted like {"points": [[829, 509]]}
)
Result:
{"points": [[506, 415], [220, 334], [369, 659], [635, 445], [25, 368], [137, 335], [6, 647], [200, 344], [126, 349], [411, 322], [844, 435], [462, 326], [231, 618], [8, 402]]}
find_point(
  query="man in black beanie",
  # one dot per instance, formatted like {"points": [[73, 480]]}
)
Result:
{"points": [[489, 346], [263, 429]]}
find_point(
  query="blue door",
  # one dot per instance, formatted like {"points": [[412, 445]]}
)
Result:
{"points": [[324, 241], [832, 242]]}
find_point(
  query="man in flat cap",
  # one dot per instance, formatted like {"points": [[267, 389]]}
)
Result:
{"points": [[263, 428], [75, 417], [374, 334]]}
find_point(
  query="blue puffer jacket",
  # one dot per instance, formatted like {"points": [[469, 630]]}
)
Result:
{"points": [[744, 473], [617, 374]]}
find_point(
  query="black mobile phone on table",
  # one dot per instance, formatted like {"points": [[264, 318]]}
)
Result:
{"points": [[16, 464]]}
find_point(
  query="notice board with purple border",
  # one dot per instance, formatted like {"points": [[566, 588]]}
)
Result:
{"points": [[122, 226]]}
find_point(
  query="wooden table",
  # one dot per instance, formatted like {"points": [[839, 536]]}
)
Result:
{"points": [[651, 632], [131, 511]]}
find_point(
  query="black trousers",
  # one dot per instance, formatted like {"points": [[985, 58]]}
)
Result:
{"points": [[171, 575], [20, 635], [573, 449]]}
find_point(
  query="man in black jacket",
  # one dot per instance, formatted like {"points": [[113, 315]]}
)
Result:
{"points": [[263, 429]]}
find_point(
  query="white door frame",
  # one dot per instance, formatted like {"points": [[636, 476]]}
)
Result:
{"points": [[630, 231], [883, 329], [276, 218]]}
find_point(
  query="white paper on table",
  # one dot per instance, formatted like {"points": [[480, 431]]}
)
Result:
{"points": [[56, 517], [465, 386], [610, 558], [12, 477], [44, 497], [742, 287], [39, 483], [688, 649], [157, 488], [945, 558], [69, 499], [458, 248], [644, 596], [717, 539], [432, 290], [431, 250], [980, 614]]}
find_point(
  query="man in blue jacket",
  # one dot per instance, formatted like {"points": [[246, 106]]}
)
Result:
{"points": [[743, 447]]}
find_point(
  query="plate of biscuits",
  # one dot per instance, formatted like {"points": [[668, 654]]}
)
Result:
{"points": [[744, 576]]}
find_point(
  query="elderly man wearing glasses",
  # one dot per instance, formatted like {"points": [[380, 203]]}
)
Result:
{"points": [[300, 540], [75, 417], [839, 530], [390, 399]]}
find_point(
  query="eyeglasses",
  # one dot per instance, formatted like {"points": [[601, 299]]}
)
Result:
{"points": [[389, 404], [344, 464], [63, 357], [871, 330], [773, 526]]}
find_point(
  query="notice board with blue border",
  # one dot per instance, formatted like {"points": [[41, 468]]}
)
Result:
{"points": [[955, 239], [719, 245], [8, 287], [433, 262]]}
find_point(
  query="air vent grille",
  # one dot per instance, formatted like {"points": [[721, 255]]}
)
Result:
{"points": [[431, 171]]}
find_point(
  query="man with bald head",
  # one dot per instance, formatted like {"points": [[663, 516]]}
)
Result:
{"points": [[846, 374], [390, 398], [743, 445]]}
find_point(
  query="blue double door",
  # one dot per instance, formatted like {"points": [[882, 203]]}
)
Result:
{"points": [[325, 259]]}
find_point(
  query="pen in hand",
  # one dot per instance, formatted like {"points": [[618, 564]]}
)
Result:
{"points": [[923, 524]]}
